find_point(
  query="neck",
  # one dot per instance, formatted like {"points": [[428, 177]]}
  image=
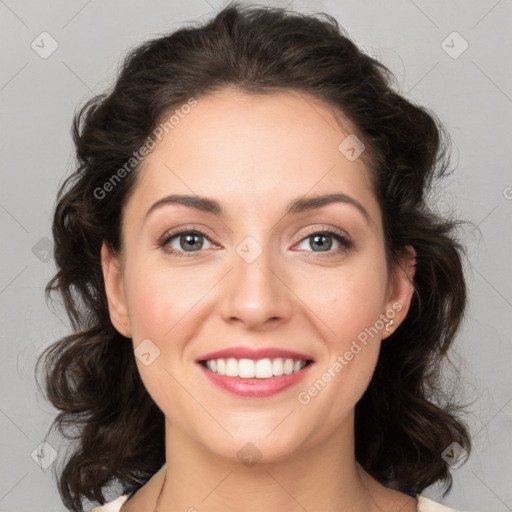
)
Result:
{"points": [[323, 477]]}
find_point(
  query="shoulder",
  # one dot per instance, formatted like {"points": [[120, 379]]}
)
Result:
{"points": [[427, 505], [112, 506], [144, 498], [424, 505]]}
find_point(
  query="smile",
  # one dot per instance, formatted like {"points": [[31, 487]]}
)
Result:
{"points": [[255, 378], [260, 369]]}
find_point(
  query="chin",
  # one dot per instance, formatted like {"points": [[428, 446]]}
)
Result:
{"points": [[251, 449]]}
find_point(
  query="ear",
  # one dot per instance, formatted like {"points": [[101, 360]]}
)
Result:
{"points": [[114, 288], [401, 289]]}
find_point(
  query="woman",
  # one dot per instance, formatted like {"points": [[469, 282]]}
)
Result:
{"points": [[260, 294]]}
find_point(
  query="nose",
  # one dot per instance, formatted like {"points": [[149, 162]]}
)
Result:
{"points": [[256, 293]]}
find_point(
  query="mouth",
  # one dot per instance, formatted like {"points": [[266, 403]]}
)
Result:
{"points": [[255, 373], [265, 368]]}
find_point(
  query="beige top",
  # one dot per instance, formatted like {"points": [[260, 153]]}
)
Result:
{"points": [[424, 505]]}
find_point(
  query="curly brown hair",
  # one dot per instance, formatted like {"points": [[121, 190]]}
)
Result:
{"points": [[404, 421]]}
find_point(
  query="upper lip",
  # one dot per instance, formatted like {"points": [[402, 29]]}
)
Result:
{"points": [[254, 353]]}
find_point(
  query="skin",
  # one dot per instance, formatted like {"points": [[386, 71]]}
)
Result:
{"points": [[254, 154]]}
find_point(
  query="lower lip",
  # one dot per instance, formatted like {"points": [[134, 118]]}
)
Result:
{"points": [[255, 388]]}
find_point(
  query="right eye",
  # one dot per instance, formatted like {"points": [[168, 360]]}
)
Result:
{"points": [[184, 241]]}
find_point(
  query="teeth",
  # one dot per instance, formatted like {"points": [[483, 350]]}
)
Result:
{"points": [[246, 368], [261, 369], [277, 366], [288, 366], [232, 368]]}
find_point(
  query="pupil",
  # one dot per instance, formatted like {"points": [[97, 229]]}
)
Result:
{"points": [[324, 246], [190, 240]]}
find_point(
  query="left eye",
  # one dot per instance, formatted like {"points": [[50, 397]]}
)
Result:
{"points": [[324, 240]]}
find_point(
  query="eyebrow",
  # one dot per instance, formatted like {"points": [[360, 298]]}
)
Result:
{"points": [[296, 206]]}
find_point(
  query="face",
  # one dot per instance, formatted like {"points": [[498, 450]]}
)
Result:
{"points": [[255, 275]]}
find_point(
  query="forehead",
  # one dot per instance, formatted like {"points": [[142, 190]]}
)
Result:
{"points": [[255, 149]]}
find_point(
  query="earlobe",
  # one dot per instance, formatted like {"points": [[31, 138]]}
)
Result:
{"points": [[114, 289], [401, 291]]}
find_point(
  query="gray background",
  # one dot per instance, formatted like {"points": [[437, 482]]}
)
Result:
{"points": [[471, 92]]}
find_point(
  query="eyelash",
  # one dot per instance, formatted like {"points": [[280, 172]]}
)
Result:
{"points": [[345, 243]]}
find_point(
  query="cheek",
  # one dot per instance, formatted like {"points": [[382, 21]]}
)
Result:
{"points": [[159, 301], [165, 308], [345, 301], [346, 306], [162, 310]]}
